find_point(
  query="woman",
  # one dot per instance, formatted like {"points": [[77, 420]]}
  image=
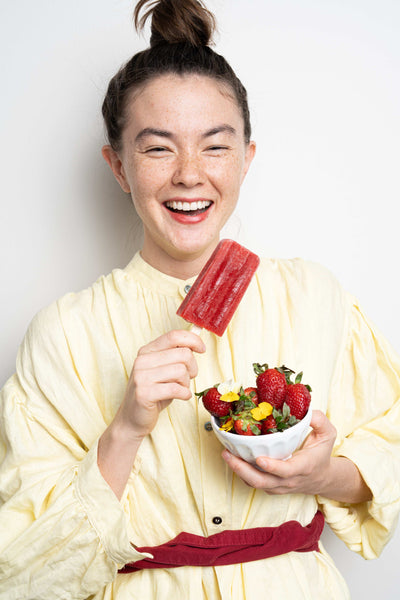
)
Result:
{"points": [[106, 449]]}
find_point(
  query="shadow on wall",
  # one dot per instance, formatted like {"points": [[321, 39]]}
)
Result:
{"points": [[117, 229]]}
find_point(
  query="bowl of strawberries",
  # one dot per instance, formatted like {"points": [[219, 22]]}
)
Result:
{"points": [[270, 419]]}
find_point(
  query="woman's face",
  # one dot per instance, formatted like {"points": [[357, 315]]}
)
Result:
{"points": [[183, 160]]}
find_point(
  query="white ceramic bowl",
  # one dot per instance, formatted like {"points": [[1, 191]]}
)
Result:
{"points": [[281, 444]]}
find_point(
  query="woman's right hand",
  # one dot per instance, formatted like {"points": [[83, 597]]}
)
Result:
{"points": [[161, 372]]}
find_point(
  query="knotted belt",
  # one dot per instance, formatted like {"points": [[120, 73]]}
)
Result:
{"points": [[231, 546]]}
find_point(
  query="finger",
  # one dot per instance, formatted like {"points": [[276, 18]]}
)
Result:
{"points": [[284, 469], [249, 474], [163, 392], [161, 374], [321, 424], [270, 482], [174, 391], [175, 339], [323, 432], [168, 357]]}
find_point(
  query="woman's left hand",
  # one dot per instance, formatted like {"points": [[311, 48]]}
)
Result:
{"points": [[306, 472]]}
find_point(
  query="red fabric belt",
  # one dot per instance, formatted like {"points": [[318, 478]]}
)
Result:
{"points": [[231, 546]]}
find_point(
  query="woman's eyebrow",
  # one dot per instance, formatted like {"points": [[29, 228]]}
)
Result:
{"points": [[168, 134], [220, 129], [153, 131]]}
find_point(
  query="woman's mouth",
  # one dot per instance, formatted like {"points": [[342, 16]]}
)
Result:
{"points": [[188, 208]]}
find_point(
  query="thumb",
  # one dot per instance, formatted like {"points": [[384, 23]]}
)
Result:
{"points": [[321, 425]]}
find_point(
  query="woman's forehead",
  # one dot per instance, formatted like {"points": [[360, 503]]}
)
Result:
{"points": [[196, 101]]}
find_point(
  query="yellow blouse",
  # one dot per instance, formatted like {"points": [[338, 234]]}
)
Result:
{"points": [[64, 534]]}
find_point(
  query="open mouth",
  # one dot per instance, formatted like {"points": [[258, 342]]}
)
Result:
{"points": [[188, 208]]}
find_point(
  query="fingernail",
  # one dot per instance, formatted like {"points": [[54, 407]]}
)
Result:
{"points": [[263, 463], [226, 455]]}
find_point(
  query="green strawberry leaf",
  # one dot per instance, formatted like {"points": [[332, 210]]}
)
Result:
{"points": [[224, 419], [255, 429], [258, 369], [204, 392], [249, 404], [238, 406], [276, 413], [299, 377], [286, 372], [285, 411], [282, 425]]}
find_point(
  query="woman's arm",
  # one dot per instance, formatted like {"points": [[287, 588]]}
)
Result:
{"points": [[161, 372], [63, 511], [311, 470]]}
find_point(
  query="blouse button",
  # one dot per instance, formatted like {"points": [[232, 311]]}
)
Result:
{"points": [[187, 288], [208, 426], [217, 520]]}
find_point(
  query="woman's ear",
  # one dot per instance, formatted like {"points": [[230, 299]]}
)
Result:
{"points": [[111, 157], [250, 152]]}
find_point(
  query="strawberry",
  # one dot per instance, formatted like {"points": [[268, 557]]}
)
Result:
{"points": [[271, 384], [298, 398], [212, 402], [268, 425], [247, 426], [252, 393]]}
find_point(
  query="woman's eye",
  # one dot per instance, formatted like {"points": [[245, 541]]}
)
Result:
{"points": [[157, 149], [217, 148]]}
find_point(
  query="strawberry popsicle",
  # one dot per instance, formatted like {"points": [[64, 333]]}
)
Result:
{"points": [[220, 286]]}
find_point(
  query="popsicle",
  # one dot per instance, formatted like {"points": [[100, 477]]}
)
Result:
{"points": [[219, 288]]}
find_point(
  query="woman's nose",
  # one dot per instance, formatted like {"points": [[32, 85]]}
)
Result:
{"points": [[188, 171]]}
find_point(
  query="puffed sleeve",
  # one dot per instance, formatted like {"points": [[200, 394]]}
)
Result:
{"points": [[63, 531], [364, 406]]}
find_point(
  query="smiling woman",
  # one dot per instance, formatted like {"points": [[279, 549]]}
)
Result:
{"points": [[113, 483], [183, 158]]}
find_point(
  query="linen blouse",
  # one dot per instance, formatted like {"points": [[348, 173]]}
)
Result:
{"points": [[64, 534]]}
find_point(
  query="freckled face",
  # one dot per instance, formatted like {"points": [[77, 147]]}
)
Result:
{"points": [[183, 160]]}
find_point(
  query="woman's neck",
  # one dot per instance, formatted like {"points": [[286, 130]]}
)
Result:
{"points": [[176, 266]]}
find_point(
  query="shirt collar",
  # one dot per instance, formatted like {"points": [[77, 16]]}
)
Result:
{"points": [[155, 280]]}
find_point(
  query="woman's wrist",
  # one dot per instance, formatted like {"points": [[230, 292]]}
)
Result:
{"points": [[343, 482], [116, 453]]}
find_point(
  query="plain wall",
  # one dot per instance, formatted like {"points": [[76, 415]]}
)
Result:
{"points": [[323, 83]]}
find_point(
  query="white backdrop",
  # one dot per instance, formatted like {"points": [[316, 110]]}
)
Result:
{"points": [[323, 82]]}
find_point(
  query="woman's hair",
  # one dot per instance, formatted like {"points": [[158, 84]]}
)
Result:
{"points": [[181, 31]]}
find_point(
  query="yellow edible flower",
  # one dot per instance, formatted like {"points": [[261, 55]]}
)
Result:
{"points": [[230, 397], [262, 411], [227, 426]]}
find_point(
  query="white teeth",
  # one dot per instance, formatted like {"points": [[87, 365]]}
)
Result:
{"points": [[188, 206]]}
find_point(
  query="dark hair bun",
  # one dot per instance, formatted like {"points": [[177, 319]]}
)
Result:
{"points": [[181, 34], [176, 21]]}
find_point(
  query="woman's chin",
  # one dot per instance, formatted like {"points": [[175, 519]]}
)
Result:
{"points": [[188, 241], [183, 243], [196, 245]]}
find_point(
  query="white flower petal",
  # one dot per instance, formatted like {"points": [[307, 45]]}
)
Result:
{"points": [[236, 387], [229, 386], [224, 388]]}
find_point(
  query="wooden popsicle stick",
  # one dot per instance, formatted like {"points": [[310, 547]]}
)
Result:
{"points": [[196, 329]]}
